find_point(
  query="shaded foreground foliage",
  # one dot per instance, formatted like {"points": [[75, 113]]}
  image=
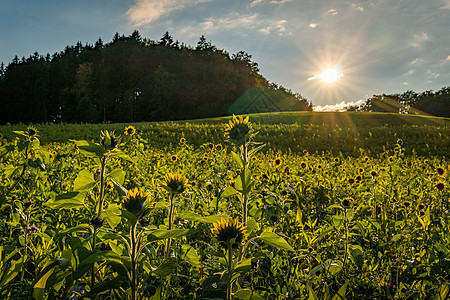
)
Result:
{"points": [[318, 225]]}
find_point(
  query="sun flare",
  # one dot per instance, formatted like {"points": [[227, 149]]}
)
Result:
{"points": [[330, 75]]}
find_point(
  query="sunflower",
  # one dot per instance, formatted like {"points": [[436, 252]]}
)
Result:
{"points": [[264, 176], [219, 147], [440, 170], [319, 166], [373, 173], [229, 233], [211, 146], [239, 130], [440, 185], [175, 183], [182, 140], [390, 159], [303, 165], [366, 158], [336, 159], [361, 170], [133, 202], [351, 180], [32, 131], [174, 158], [277, 162], [286, 170], [346, 202], [130, 130], [358, 178], [110, 186], [109, 140]]}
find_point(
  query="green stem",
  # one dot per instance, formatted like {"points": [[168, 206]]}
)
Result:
{"points": [[102, 186], [244, 209], [133, 258], [171, 216], [94, 242], [345, 240], [230, 266]]}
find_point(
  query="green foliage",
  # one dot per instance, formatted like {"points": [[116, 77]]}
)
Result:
{"points": [[310, 234]]}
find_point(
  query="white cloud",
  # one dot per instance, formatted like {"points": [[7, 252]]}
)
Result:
{"points": [[343, 106], [144, 12], [410, 72], [446, 4], [416, 61], [432, 75], [279, 26], [448, 58], [420, 38], [405, 83], [280, 1], [313, 25], [255, 2], [357, 7], [332, 12]]}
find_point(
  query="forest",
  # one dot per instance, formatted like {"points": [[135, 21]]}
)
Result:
{"points": [[133, 79]]}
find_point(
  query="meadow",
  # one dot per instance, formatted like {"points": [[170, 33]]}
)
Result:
{"points": [[277, 206]]}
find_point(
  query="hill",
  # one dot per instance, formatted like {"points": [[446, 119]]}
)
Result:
{"points": [[134, 79], [347, 133]]}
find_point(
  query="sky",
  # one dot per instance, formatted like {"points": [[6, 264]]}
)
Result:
{"points": [[372, 47]]}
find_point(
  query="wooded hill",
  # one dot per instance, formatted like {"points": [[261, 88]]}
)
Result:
{"points": [[135, 79]]}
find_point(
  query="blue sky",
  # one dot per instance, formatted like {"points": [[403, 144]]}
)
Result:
{"points": [[382, 46]]}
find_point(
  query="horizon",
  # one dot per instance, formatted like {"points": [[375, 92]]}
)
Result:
{"points": [[310, 48]]}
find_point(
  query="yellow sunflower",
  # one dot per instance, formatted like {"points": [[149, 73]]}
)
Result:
{"points": [[229, 233], [277, 162], [134, 202], [238, 130], [130, 130], [175, 183]]}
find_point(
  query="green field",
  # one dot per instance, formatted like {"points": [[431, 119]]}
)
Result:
{"points": [[288, 206]]}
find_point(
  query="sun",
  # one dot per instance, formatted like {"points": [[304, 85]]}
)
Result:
{"points": [[330, 75]]}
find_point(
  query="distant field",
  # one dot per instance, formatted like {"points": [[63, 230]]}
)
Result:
{"points": [[343, 132]]}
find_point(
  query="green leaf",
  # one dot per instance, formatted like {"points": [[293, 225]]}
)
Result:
{"points": [[162, 234], [338, 221], [244, 294], [341, 293], [312, 294], [356, 254], [117, 175], [229, 191], [189, 254], [191, 216], [90, 149], [84, 181], [67, 201], [16, 268], [397, 237], [167, 267], [112, 215], [253, 151], [82, 227], [107, 285], [238, 160], [443, 291], [243, 181], [251, 225], [87, 263], [119, 188], [131, 218], [37, 163], [272, 239], [241, 269]]}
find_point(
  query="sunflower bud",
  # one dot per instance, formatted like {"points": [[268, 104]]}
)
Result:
{"points": [[109, 140], [134, 201]]}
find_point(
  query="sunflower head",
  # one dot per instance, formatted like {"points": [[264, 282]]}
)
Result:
{"points": [[134, 201], [390, 159], [277, 162], [174, 158], [229, 233], [440, 185], [32, 131], [440, 171], [303, 165], [109, 140], [351, 180], [182, 140], [286, 170], [130, 130], [346, 202], [239, 130], [219, 147], [175, 183], [211, 146]]}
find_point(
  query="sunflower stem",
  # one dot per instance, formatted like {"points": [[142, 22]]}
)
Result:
{"points": [[171, 213], [230, 266]]}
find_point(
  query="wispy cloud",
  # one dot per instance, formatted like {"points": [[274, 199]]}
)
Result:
{"points": [[416, 61], [332, 12], [144, 12], [357, 7], [313, 25], [278, 26], [420, 38], [446, 4], [343, 106], [448, 58]]}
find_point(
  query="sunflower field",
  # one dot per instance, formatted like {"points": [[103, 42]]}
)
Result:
{"points": [[230, 211]]}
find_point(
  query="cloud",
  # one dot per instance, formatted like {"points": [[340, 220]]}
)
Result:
{"points": [[416, 61], [279, 26], [357, 7], [405, 83], [343, 106], [332, 12], [446, 4], [313, 25], [255, 2], [144, 12], [410, 72], [420, 38], [448, 58]]}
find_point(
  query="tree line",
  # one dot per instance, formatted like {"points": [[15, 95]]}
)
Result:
{"points": [[130, 79], [427, 103]]}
